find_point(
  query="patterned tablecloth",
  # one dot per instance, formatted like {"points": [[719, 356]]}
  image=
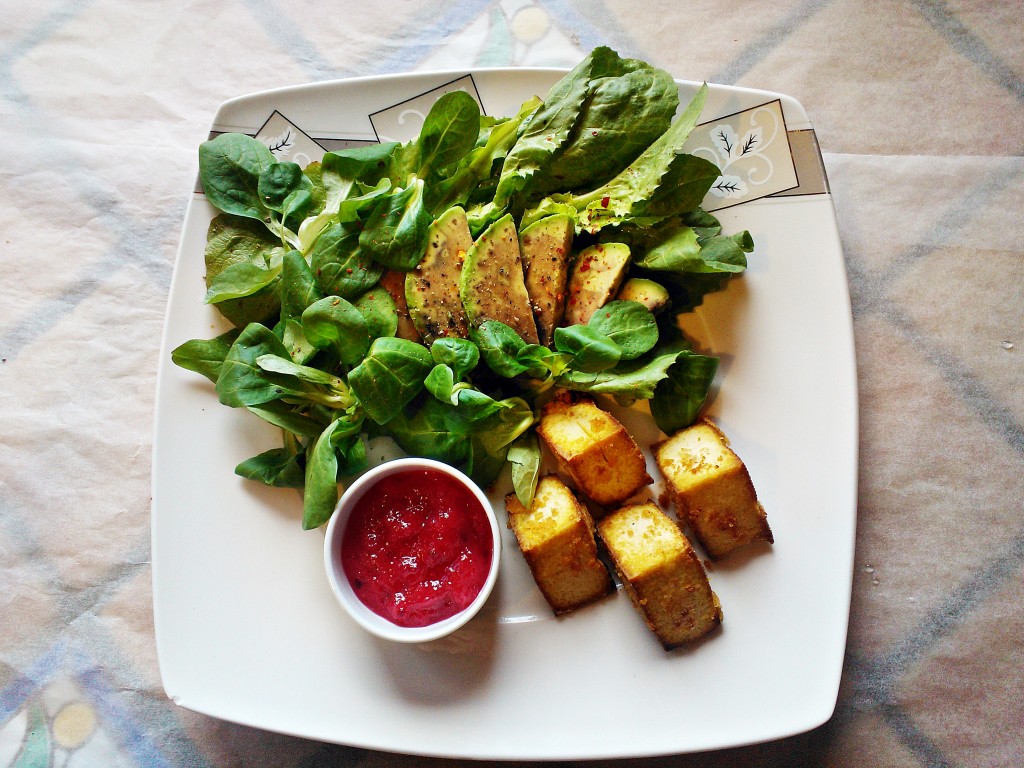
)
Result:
{"points": [[917, 107]]}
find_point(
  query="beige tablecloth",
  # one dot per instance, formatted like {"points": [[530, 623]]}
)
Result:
{"points": [[917, 106]]}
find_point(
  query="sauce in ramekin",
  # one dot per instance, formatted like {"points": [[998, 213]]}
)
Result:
{"points": [[417, 547]]}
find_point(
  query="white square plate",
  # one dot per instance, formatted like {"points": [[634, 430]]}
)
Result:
{"points": [[247, 629]]}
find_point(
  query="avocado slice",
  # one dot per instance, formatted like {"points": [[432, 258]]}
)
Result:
{"points": [[545, 247], [652, 295], [596, 276], [432, 287], [493, 286]]}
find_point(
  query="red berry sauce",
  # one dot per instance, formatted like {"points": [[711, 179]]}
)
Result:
{"points": [[417, 547]]}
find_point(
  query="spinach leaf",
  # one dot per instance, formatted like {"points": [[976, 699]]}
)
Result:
{"points": [[703, 223], [660, 175], [475, 168], [682, 188], [725, 253], [481, 465], [449, 131], [367, 165], [435, 431], [230, 167], [550, 127], [441, 383], [333, 323], [204, 356], [625, 110], [538, 360], [679, 397], [304, 373], [288, 418], [342, 212], [679, 252], [299, 347], [390, 376], [628, 381], [284, 188], [629, 325], [506, 424]]}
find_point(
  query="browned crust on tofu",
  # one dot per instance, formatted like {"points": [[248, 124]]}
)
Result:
{"points": [[661, 573], [594, 450], [556, 537], [711, 489]]}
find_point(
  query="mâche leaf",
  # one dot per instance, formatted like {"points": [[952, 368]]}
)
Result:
{"points": [[339, 265], [628, 324], [204, 356], [679, 397], [333, 323], [524, 455], [390, 376], [238, 280], [395, 233], [240, 381]]}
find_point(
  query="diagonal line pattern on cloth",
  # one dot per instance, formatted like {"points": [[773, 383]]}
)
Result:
{"points": [[874, 681], [923, 748], [756, 52], [968, 45], [587, 29], [64, 13], [420, 44], [138, 244], [292, 41], [952, 223]]}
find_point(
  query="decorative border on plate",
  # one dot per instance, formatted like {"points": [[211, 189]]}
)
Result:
{"points": [[752, 151], [402, 121]]}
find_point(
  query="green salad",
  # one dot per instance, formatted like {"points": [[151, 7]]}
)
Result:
{"points": [[439, 291]]}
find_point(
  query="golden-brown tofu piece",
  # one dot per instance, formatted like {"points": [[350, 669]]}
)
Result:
{"points": [[711, 489], [594, 450], [556, 536], [661, 573]]}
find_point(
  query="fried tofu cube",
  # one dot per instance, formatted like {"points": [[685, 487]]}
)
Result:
{"points": [[711, 489], [556, 536], [661, 573], [594, 450]]}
